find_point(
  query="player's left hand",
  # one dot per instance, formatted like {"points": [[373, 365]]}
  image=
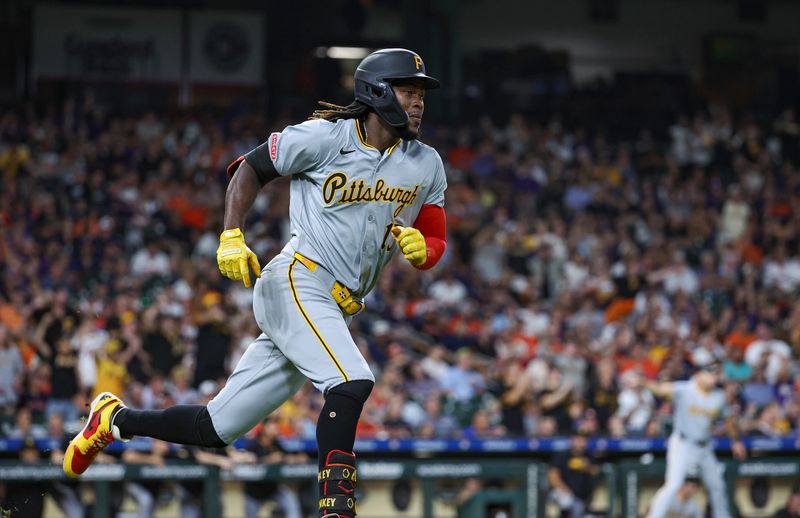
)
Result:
{"points": [[739, 451], [412, 244]]}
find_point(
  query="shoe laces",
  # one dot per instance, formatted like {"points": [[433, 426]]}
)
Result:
{"points": [[98, 442]]}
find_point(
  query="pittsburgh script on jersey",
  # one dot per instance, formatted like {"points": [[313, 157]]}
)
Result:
{"points": [[698, 410], [358, 191]]}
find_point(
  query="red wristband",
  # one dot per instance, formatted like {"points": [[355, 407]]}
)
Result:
{"points": [[432, 223]]}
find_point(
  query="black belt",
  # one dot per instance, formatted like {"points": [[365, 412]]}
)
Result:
{"points": [[702, 444]]}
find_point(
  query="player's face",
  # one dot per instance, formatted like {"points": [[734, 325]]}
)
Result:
{"points": [[411, 95], [708, 379]]}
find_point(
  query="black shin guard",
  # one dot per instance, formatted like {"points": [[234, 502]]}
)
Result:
{"points": [[182, 424], [336, 433], [337, 485]]}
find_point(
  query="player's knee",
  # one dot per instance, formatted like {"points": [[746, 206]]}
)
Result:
{"points": [[358, 390], [206, 432]]}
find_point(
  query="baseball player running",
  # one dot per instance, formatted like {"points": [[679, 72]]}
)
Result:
{"points": [[696, 403], [362, 186]]}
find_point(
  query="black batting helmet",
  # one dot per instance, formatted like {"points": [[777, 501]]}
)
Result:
{"points": [[375, 75]]}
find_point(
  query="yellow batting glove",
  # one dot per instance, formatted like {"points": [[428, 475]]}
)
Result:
{"points": [[412, 244], [233, 257]]}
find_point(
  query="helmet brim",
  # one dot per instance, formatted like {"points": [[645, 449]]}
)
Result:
{"points": [[431, 83]]}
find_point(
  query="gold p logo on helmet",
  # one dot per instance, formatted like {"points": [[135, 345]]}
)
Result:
{"points": [[417, 61]]}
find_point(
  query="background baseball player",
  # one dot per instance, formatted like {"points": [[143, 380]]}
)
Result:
{"points": [[360, 182], [572, 477], [697, 403]]}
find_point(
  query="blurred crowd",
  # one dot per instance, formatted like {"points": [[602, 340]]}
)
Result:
{"points": [[575, 261]]}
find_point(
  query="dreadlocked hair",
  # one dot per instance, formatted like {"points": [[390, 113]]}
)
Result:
{"points": [[334, 112]]}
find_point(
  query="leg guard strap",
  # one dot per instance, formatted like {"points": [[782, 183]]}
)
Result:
{"points": [[337, 484]]}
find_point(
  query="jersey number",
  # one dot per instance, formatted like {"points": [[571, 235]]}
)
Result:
{"points": [[387, 244]]}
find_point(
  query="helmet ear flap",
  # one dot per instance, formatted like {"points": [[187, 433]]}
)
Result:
{"points": [[379, 96]]}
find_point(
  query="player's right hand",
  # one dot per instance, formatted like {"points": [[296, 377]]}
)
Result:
{"points": [[234, 257]]}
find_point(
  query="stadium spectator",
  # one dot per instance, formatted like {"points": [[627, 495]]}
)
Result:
{"points": [[770, 422], [66, 493], [482, 426], [448, 291], [161, 340], [11, 370], [441, 424], [24, 427], [64, 379], [267, 450], [572, 364], [418, 384], [602, 392], [145, 493], [213, 338], [513, 390], [24, 498], [112, 360], [555, 399], [635, 404], [150, 261], [734, 218], [768, 351], [395, 425], [735, 368], [758, 392], [180, 391], [461, 382]]}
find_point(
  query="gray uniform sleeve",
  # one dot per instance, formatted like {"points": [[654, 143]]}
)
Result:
{"points": [[438, 186], [297, 149]]}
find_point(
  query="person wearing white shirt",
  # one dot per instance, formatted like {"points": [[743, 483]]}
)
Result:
{"points": [[150, 261], [677, 277], [635, 404], [448, 291], [735, 216], [770, 350], [782, 272]]}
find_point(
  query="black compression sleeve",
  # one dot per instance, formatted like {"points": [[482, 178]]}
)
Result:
{"points": [[182, 424], [336, 427], [261, 163]]}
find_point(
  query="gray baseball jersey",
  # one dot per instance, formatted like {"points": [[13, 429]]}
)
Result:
{"points": [[345, 196], [695, 411]]}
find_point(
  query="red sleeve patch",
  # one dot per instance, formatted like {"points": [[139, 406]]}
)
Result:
{"points": [[273, 146]]}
